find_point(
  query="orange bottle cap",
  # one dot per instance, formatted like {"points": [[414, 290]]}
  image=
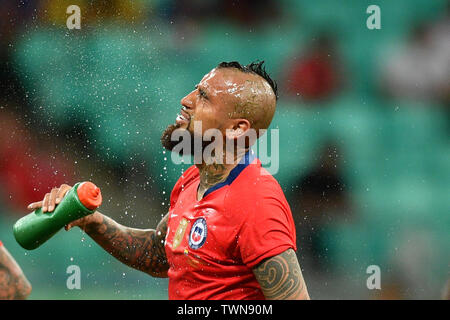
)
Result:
{"points": [[89, 195]]}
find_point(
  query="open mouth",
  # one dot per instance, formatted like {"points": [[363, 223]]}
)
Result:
{"points": [[183, 117]]}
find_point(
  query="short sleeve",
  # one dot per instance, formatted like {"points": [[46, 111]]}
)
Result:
{"points": [[267, 230]]}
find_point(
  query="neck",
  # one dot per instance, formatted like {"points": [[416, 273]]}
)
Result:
{"points": [[214, 173]]}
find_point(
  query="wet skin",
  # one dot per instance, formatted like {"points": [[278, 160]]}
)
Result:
{"points": [[225, 98]]}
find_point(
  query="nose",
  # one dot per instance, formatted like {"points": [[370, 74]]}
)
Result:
{"points": [[188, 100]]}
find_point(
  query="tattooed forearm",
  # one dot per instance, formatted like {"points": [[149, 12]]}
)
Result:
{"points": [[137, 248], [13, 284], [280, 277]]}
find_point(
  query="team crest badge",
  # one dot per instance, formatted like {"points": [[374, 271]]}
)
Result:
{"points": [[198, 234]]}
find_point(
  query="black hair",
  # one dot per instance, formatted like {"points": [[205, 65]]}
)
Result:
{"points": [[256, 67]]}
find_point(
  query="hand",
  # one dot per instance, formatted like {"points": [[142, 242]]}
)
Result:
{"points": [[53, 198]]}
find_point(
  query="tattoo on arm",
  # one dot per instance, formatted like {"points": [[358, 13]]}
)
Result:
{"points": [[137, 248], [280, 277], [13, 283]]}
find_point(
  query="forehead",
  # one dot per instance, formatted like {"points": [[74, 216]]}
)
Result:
{"points": [[224, 80], [232, 87]]}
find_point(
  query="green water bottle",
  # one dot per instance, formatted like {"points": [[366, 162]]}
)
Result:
{"points": [[37, 227]]}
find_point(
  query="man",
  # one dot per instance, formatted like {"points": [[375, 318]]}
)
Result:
{"points": [[13, 283], [229, 232]]}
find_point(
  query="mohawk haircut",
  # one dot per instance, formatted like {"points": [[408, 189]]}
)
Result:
{"points": [[256, 67]]}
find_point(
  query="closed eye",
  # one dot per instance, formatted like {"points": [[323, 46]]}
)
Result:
{"points": [[201, 92]]}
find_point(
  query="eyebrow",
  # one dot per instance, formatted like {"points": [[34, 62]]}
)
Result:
{"points": [[202, 91]]}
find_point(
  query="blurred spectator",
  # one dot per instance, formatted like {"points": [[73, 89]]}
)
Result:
{"points": [[251, 13], [392, 289], [440, 33], [195, 10], [28, 168], [421, 69], [188, 17], [94, 12], [446, 291], [190, 14], [13, 15], [315, 75], [323, 198]]}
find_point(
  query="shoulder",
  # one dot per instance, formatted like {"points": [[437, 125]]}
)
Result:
{"points": [[253, 191], [256, 183]]}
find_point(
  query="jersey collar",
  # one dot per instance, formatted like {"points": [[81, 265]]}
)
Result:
{"points": [[245, 161]]}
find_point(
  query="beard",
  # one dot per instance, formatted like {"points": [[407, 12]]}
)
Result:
{"points": [[166, 140], [169, 144]]}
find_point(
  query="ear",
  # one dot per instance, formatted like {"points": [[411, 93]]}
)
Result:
{"points": [[238, 129]]}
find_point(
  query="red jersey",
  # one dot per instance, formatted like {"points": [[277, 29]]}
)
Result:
{"points": [[213, 244]]}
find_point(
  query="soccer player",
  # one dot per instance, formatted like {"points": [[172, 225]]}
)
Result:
{"points": [[229, 232], [13, 283]]}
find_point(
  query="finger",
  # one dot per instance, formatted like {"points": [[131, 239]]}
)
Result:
{"points": [[45, 202], [35, 205], [62, 192], [69, 226], [51, 200]]}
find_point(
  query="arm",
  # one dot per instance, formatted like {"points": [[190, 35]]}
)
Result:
{"points": [[140, 249], [280, 277], [13, 283]]}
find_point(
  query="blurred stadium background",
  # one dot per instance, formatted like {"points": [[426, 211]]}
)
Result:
{"points": [[363, 118]]}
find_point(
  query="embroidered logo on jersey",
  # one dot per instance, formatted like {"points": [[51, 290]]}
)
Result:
{"points": [[198, 234], [179, 234]]}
